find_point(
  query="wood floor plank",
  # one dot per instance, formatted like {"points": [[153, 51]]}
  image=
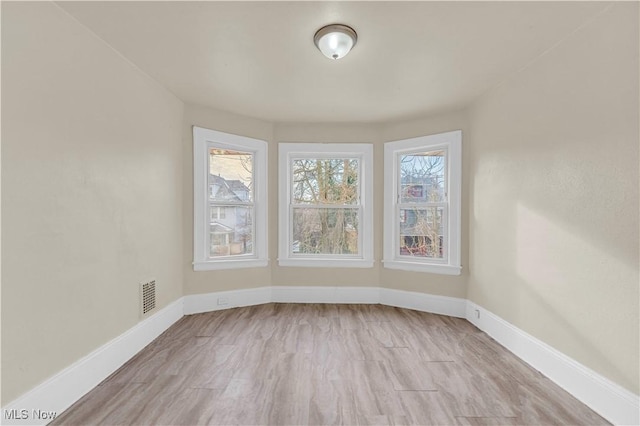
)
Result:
{"points": [[488, 421], [323, 364], [291, 390], [331, 403], [388, 335], [382, 420], [485, 354], [542, 402], [192, 407], [245, 401], [98, 404], [215, 367], [407, 372], [434, 343], [427, 408]]}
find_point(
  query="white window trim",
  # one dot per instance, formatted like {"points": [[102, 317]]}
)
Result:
{"points": [[452, 142], [364, 152], [203, 139]]}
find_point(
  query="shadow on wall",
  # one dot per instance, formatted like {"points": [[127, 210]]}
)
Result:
{"points": [[568, 285]]}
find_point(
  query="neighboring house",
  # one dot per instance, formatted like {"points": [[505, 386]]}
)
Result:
{"points": [[422, 227], [230, 223]]}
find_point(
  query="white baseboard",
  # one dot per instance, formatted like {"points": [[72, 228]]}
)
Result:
{"points": [[443, 305], [60, 391], [614, 403], [285, 294], [451, 306], [208, 302]]}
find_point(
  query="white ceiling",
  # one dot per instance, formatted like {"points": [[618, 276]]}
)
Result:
{"points": [[258, 58]]}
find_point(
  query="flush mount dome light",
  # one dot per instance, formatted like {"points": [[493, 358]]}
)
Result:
{"points": [[335, 40]]}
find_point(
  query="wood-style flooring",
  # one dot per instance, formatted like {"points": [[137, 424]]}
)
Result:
{"points": [[317, 364]]}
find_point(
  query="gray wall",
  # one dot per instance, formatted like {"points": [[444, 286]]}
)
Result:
{"points": [[91, 195], [554, 208]]}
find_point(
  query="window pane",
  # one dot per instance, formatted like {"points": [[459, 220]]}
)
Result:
{"points": [[230, 175], [231, 231], [217, 212], [325, 231], [325, 181], [422, 177], [421, 232]]}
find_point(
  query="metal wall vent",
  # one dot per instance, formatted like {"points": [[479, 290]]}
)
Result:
{"points": [[148, 293]]}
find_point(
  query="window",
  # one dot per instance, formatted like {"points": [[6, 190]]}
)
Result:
{"points": [[326, 197], [218, 212], [230, 209], [422, 187]]}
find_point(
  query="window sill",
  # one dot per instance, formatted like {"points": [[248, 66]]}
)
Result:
{"points": [[214, 265], [327, 263], [423, 267]]}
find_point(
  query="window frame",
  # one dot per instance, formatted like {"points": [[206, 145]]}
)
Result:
{"points": [[203, 141], [451, 142], [287, 152]]}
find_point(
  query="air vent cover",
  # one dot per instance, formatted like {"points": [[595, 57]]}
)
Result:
{"points": [[148, 296]]}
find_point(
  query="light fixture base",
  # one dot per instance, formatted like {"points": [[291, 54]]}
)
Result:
{"points": [[335, 40]]}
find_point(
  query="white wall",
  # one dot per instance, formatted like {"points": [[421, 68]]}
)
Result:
{"points": [[91, 193], [554, 208]]}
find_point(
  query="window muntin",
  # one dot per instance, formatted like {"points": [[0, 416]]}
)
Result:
{"points": [[230, 209], [323, 219], [422, 203]]}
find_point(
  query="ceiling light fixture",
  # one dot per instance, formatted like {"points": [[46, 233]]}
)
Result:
{"points": [[335, 40]]}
